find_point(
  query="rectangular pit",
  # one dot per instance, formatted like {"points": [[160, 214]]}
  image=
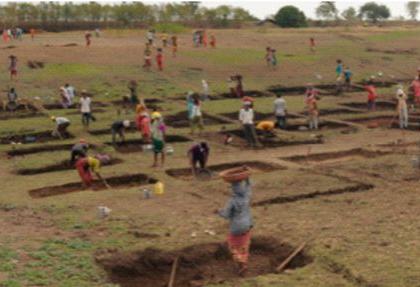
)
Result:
{"points": [[380, 105], [38, 137], [198, 265], [115, 181], [180, 120], [258, 116], [63, 165], [334, 156], [39, 149], [267, 142], [256, 166], [59, 106], [136, 145]]}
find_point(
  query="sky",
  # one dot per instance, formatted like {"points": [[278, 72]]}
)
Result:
{"points": [[264, 8]]}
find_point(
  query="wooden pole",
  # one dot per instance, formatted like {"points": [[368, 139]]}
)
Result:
{"points": [[173, 273], [291, 256]]}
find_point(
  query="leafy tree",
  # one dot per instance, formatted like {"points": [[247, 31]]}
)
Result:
{"points": [[327, 10], [290, 16], [413, 9], [374, 12], [349, 14]]}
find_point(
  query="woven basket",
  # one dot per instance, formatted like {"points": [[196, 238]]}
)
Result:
{"points": [[235, 174]]}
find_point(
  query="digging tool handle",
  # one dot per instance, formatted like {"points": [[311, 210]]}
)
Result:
{"points": [[173, 273], [290, 258]]}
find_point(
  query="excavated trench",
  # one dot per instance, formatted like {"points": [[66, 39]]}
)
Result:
{"points": [[59, 106], [198, 265], [330, 192], [380, 105], [116, 182], [320, 157], [38, 137], [136, 145], [180, 120], [63, 165], [40, 149], [258, 166]]}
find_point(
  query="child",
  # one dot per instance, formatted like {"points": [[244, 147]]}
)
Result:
{"points": [[347, 77], [372, 95], [312, 44], [238, 212], [88, 37], [143, 123], [212, 41], [339, 70], [268, 54], [13, 67], [147, 58], [158, 138], [402, 108], [273, 59], [159, 59], [312, 107], [196, 117], [174, 45]]}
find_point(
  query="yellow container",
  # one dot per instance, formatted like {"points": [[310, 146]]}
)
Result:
{"points": [[159, 188]]}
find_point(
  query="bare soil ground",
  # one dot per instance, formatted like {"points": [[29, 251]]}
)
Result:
{"points": [[351, 187]]}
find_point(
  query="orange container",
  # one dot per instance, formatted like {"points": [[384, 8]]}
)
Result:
{"points": [[236, 174]]}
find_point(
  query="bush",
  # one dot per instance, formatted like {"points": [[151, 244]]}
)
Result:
{"points": [[170, 28], [290, 16]]}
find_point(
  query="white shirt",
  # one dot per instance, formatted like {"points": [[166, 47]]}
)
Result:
{"points": [[85, 105], [246, 116], [61, 120], [280, 107], [196, 111], [69, 94]]}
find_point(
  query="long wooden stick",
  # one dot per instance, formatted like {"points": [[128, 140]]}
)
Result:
{"points": [[291, 256], [173, 273]]}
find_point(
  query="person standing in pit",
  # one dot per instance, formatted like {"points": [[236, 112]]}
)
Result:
{"points": [[280, 111], [238, 212], [347, 78]]}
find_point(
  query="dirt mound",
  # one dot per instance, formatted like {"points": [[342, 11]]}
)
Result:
{"points": [[35, 64], [38, 137], [115, 182], [10, 47], [319, 157], [198, 265], [64, 165], [136, 145], [315, 194], [180, 120], [185, 173]]}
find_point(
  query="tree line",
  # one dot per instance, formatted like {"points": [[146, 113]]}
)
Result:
{"points": [[68, 15], [291, 16]]}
